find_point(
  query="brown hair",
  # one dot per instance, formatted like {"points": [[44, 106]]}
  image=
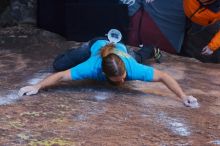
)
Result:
{"points": [[112, 65]]}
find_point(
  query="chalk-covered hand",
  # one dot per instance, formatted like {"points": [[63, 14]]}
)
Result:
{"points": [[28, 90], [206, 51], [190, 101]]}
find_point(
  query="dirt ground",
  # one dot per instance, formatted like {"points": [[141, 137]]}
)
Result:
{"points": [[89, 113]]}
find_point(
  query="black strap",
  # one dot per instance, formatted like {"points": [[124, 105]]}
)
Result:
{"points": [[202, 5], [207, 2]]}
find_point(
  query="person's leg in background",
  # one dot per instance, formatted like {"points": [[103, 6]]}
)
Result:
{"points": [[217, 56], [197, 37], [217, 52]]}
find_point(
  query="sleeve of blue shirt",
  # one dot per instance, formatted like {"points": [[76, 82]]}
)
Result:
{"points": [[81, 71], [142, 72]]}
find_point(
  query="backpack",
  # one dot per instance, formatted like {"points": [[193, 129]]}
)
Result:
{"points": [[203, 5], [206, 2]]}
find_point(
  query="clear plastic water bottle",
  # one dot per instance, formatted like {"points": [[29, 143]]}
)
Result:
{"points": [[114, 36]]}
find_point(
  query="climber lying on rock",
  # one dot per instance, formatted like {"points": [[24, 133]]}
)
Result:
{"points": [[111, 62]]}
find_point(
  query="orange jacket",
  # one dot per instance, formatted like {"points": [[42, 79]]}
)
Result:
{"points": [[203, 17]]}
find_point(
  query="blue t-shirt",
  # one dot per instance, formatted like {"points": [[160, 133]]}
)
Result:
{"points": [[92, 69]]}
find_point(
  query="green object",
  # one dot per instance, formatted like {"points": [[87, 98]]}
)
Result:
{"points": [[157, 55]]}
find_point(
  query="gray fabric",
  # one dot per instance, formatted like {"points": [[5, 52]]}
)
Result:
{"points": [[135, 7], [170, 18], [198, 37]]}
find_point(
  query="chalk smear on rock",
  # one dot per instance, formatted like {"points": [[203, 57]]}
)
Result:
{"points": [[9, 98], [215, 142], [175, 125], [100, 96]]}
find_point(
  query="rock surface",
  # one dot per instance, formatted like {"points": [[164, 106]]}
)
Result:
{"points": [[91, 113], [18, 11], [3, 5]]}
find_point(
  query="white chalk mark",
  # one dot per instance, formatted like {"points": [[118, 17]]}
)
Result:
{"points": [[9, 98], [215, 142], [13, 95], [195, 105], [37, 78], [81, 117], [185, 144], [100, 96], [149, 1], [173, 124], [128, 2], [22, 36]]}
